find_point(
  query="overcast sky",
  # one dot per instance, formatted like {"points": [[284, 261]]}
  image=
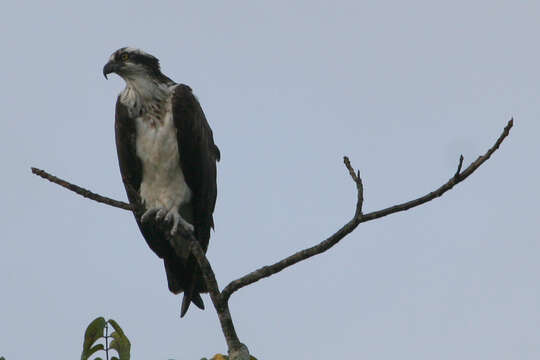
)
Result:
{"points": [[402, 87]]}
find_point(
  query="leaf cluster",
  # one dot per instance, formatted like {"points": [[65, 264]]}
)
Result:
{"points": [[97, 330]]}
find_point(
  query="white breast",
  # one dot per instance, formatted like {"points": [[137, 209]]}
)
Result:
{"points": [[163, 183]]}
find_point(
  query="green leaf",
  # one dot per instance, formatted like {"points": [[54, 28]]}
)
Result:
{"points": [[94, 349], [120, 342], [116, 327], [93, 332]]}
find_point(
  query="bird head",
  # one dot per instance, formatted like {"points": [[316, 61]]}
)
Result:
{"points": [[130, 63]]}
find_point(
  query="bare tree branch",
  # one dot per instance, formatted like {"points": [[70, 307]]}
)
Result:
{"points": [[358, 218], [237, 350], [222, 307], [81, 191], [456, 179]]}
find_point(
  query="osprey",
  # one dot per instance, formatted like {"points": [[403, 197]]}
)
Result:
{"points": [[168, 161]]}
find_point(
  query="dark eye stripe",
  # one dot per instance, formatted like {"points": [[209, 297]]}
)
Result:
{"points": [[136, 57], [149, 61]]}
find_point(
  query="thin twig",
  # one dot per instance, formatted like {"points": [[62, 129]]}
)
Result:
{"points": [[359, 186], [456, 175], [81, 191], [358, 218]]}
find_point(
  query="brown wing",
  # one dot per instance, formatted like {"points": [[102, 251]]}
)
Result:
{"points": [[198, 156]]}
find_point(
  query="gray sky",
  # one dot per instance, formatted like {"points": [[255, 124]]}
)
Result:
{"points": [[403, 88]]}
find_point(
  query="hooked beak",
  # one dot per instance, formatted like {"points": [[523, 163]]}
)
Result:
{"points": [[110, 67]]}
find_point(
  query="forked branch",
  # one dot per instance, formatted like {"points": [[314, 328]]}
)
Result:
{"points": [[358, 218]]}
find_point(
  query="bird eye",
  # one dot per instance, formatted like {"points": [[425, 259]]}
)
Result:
{"points": [[124, 57]]}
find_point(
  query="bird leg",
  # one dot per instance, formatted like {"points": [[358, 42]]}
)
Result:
{"points": [[149, 213], [171, 215], [177, 219]]}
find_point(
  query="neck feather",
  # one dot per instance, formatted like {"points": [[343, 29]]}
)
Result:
{"points": [[143, 94]]}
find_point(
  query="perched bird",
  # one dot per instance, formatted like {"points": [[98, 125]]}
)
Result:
{"points": [[167, 159]]}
